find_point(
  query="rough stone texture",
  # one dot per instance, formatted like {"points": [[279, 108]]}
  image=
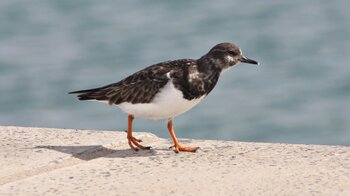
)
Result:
{"points": [[45, 161]]}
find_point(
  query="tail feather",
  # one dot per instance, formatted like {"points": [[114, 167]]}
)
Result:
{"points": [[90, 94], [84, 91]]}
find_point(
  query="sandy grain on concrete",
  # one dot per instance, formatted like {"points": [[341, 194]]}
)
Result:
{"points": [[29, 151], [219, 168]]}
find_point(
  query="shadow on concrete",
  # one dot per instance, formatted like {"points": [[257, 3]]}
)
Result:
{"points": [[96, 151]]}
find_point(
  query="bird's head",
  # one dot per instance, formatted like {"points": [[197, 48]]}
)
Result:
{"points": [[226, 55]]}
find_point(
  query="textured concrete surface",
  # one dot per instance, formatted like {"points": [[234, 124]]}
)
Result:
{"points": [[43, 161]]}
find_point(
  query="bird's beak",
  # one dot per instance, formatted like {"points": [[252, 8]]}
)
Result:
{"points": [[247, 60]]}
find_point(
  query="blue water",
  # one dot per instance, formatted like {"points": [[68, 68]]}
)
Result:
{"points": [[300, 93]]}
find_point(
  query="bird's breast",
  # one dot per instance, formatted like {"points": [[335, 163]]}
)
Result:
{"points": [[168, 103]]}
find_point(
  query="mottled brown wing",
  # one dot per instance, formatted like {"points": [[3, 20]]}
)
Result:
{"points": [[140, 87], [136, 90]]}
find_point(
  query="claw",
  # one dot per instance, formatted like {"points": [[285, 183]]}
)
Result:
{"points": [[178, 148], [132, 141], [138, 140]]}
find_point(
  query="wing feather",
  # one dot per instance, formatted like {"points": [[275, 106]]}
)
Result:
{"points": [[140, 87]]}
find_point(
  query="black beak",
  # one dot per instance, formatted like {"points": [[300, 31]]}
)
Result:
{"points": [[250, 61]]}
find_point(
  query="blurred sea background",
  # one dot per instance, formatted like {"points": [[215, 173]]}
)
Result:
{"points": [[300, 93]]}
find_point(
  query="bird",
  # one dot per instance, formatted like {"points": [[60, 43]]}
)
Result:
{"points": [[167, 89]]}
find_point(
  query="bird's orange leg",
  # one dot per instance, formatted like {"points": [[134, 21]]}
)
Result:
{"points": [[132, 140], [177, 146]]}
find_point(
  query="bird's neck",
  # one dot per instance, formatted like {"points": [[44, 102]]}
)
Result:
{"points": [[209, 65], [201, 79]]}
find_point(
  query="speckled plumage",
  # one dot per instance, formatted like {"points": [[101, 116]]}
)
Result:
{"points": [[194, 78], [142, 86], [168, 89]]}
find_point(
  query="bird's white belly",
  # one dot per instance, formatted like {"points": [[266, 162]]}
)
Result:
{"points": [[168, 103]]}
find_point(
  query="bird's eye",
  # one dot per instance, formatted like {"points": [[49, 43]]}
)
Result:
{"points": [[231, 52]]}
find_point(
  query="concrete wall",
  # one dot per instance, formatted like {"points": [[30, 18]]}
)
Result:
{"points": [[45, 161]]}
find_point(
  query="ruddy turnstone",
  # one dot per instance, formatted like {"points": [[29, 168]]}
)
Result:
{"points": [[167, 89]]}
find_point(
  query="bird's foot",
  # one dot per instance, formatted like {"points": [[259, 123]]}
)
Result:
{"points": [[134, 141], [177, 148]]}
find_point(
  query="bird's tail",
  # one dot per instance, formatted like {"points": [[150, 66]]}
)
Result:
{"points": [[91, 94]]}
